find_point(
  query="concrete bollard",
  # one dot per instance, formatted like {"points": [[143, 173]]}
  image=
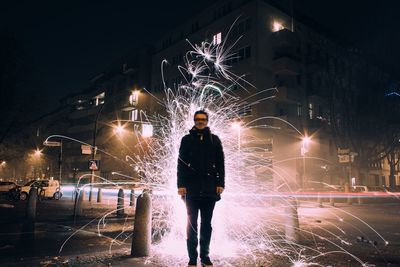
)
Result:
{"points": [[141, 240], [319, 200], [347, 190], [78, 203], [360, 200], [99, 195], [332, 200], [83, 193], [291, 221], [120, 203], [132, 198], [31, 205]]}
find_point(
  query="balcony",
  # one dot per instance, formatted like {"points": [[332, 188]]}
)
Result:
{"points": [[82, 113], [287, 94], [284, 38], [285, 66], [128, 106], [317, 123]]}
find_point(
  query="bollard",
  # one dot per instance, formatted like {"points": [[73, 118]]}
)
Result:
{"points": [[360, 200], [141, 240], [332, 200], [319, 201], [82, 192], [120, 203], [347, 190], [31, 205], [292, 221], [79, 195], [132, 198], [99, 195]]}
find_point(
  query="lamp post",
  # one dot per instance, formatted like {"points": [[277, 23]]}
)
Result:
{"points": [[2, 166], [304, 149], [60, 156], [93, 155]]}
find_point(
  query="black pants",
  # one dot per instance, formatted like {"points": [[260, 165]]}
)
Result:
{"points": [[206, 207]]}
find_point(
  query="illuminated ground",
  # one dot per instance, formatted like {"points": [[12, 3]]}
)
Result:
{"points": [[55, 224]]}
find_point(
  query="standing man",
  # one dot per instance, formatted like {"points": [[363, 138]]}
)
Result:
{"points": [[201, 181]]}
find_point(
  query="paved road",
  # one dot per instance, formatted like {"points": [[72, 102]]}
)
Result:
{"points": [[352, 225]]}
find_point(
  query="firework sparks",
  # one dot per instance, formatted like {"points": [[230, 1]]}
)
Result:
{"points": [[248, 220]]}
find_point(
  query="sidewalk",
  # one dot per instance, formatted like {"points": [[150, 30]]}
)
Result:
{"points": [[86, 260]]}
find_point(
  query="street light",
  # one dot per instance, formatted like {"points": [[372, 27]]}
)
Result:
{"points": [[119, 129], [37, 153], [305, 142]]}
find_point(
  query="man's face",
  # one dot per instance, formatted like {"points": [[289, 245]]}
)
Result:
{"points": [[200, 121]]}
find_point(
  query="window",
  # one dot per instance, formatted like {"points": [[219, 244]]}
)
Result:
{"points": [[217, 38], [248, 51], [195, 26], [147, 130], [277, 26], [222, 11], [99, 99], [241, 54], [134, 98], [245, 111], [133, 115], [310, 111], [299, 109], [298, 77], [240, 28]]}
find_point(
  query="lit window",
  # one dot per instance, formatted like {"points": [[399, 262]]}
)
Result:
{"points": [[98, 99], [299, 110], [133, 115], [147, 130], [277, 26], [310, 111], [217, 38], [134, 98]]}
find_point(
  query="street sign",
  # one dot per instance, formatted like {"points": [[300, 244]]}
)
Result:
{"points": [[344, 158], [94, 164], [343, 151], [86, 149], [52, 143]]}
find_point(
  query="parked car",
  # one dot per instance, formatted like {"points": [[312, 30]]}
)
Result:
{"points": [[7, 186], [315, 186], [46, 189], [378, 189], [359, 188]]}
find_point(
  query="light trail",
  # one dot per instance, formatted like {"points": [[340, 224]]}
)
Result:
{"points": [[239, 231]]}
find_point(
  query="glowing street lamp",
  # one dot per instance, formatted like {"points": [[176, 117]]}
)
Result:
{"points": [[37, 153], [119, 129], [304, 145], [305, 142]]}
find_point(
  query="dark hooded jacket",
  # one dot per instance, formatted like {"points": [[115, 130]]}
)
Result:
{"points": [[201, 166]]}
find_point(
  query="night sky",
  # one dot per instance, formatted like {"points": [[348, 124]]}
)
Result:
{"points": [[69, 42]]}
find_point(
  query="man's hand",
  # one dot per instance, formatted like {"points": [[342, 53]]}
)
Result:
{"points": [[220, 190], [182, 191]]}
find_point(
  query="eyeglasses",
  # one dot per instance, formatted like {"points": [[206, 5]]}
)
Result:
{"points": [[200, 119]]}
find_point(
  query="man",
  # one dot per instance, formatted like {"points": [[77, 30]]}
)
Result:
{"points": [[201, 181]]}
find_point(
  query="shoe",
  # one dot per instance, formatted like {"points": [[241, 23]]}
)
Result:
{"points": [[206, 262], [192, 263]]}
